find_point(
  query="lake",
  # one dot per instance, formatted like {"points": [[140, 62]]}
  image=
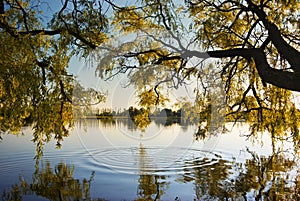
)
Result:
{"points": [[105, 160]]}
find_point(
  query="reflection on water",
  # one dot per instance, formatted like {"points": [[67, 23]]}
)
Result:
{"points": [[150, 186], [53, 184], [113, 161], [266, 177]]}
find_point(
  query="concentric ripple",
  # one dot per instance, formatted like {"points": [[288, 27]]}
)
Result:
{"points": [[150, 160]]}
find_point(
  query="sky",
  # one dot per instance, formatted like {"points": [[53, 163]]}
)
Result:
{"points": [[117, 95]]}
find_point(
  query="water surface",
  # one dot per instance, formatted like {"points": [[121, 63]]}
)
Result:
{"points": [[116, 161]]}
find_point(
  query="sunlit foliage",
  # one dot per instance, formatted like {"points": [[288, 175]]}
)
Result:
{"points": [[140, 117], [255, 49], [160, 45], [36, 47]]}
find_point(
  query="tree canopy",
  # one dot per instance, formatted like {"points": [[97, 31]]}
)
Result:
{"points": [[244, 51], [35, 85]]}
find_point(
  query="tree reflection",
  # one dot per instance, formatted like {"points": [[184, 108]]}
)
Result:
{"points": [[151, 186], [209, 177], [273, 177], [15, 194], [270, 177], [259, 178], [60, 184], [56, 184]]}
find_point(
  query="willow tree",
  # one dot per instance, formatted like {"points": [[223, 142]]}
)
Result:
{"points": [[244, 52], [35, 49], [250, 47]]}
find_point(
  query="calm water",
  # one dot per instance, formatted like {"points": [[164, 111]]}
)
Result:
{"points": [[115, 161]]}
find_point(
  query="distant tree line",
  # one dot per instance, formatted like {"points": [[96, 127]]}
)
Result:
{"points": [[141, 117], [133, 111]]}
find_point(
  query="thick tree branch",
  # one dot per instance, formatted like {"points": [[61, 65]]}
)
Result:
{"points": [[1, 7], [279, 78], [287, 51], [42, 32]]}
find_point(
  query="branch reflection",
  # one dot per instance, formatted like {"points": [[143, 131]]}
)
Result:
{"points": [[57, 184]]}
